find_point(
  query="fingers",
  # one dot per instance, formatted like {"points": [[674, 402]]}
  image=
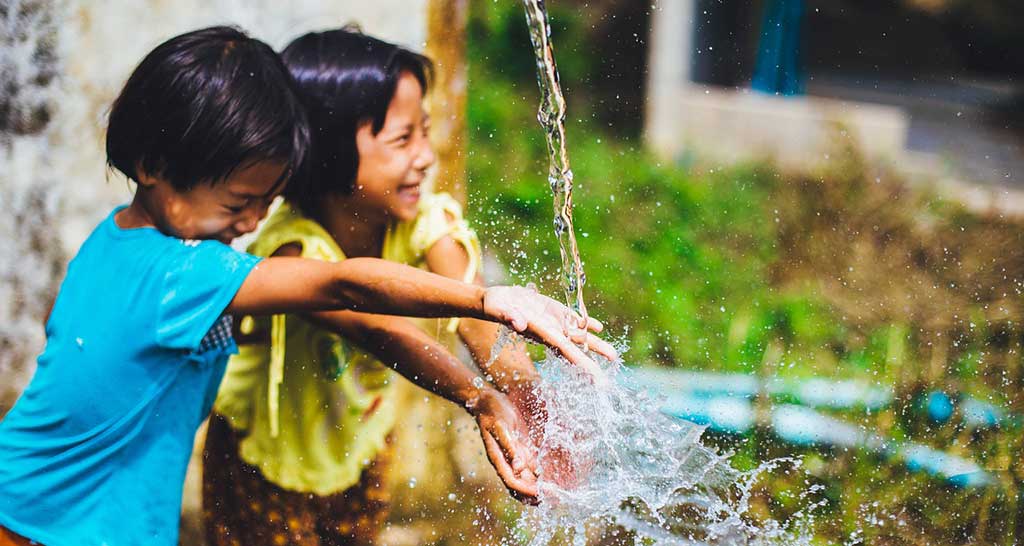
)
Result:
{"points": [[569, 350], [602, 347], [575, 356], [522, 486], [590, 323], [517, 320], [521, 457]]}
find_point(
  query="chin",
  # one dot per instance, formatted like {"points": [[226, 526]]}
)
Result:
{"points": [[406, 213]]}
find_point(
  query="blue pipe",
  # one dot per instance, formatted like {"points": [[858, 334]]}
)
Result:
{"points": [[803, 426]]}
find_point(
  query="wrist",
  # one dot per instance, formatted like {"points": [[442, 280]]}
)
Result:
{"points": [[476, 398], [516, 380], [481, 302]]}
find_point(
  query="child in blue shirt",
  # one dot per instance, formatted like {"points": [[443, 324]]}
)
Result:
{"points": [[95, 450]]}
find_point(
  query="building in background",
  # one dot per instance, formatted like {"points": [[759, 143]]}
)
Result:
{"points": [[931, 85]]}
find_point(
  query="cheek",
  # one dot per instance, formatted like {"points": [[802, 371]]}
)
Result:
{"points": [[385, 168], [207, 221], [212, 224]]}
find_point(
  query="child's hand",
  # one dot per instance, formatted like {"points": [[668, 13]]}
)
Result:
{"points": [[549, 322], [508, 444], [558, 465]]}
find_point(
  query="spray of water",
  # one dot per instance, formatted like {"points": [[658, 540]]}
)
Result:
{"points": [[612, 463]]}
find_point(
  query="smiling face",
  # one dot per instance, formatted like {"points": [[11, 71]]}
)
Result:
{"points": [[393, 163], [219, 211]]}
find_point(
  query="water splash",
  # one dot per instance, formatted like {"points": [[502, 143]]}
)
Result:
{"points": [[612, 463], [551, 115]]}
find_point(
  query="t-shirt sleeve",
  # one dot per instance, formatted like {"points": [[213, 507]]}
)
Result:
{"points": [[441, 216], [198, 285]]}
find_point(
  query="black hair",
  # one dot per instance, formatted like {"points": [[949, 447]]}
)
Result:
{"points": [[345, 79], [204, 104]]}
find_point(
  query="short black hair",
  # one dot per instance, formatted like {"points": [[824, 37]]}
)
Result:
{"points": [[345, 79], [204, 104]]}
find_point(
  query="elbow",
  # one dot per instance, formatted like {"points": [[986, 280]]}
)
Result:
{"points": [[342, 292]]}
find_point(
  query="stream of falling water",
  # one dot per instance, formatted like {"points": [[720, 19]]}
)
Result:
{"points": [[615, 470], [551, 115]]}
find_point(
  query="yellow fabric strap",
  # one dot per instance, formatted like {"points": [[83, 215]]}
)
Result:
{"points": [[277, 346], [286, 226]]}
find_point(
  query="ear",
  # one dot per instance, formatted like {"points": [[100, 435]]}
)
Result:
{"points": [[143, 178]]}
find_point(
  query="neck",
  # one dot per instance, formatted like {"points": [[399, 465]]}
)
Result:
{"points": [[359, 232], [136, 214]]}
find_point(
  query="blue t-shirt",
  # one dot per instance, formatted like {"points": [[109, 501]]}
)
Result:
{"points": [[95, 450]]}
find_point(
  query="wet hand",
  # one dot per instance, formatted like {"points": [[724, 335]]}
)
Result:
{"points": [[558, 465], [551, 323], [507, 443]]}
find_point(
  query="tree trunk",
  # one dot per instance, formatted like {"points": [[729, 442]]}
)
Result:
{"points": [[446, 46]]}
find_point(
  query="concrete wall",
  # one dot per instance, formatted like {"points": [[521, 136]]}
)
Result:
{"points": [[731, 124]]}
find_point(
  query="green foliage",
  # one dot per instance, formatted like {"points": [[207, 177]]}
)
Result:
{"points": [[678, 259]]}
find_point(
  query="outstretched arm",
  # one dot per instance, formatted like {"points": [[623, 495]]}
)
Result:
{"points": [[421, 359], [512, 371], [291, 284], [284, 284]]}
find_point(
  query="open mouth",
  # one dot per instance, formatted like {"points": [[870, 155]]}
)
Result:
{"points": [[409, 192]]}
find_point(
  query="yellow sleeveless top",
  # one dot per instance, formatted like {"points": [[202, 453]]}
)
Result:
{"points": [[315, 408]]}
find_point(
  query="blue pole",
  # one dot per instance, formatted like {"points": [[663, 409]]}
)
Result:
{"points": [[778, 69]]}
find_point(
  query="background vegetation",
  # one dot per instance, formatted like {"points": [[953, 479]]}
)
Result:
{"points": [[844, 273]]}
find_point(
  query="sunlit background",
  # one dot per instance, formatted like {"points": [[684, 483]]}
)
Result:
{"points": [[804, 218]]}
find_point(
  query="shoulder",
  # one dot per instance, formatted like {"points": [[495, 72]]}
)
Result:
{"points": [[439, 205], [439, 215], [440, 219], [287, 227], [206, 257]]}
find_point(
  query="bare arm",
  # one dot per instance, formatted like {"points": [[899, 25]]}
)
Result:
{"points": [[288, 284], [401, 345], [421, 359], [408, 350], [512, 369]]}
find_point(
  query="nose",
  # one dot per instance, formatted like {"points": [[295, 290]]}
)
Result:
{"points": [[250, 220], [425, 157]]}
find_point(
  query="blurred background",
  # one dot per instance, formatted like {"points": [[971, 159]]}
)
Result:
{"points": [[804, 218]]}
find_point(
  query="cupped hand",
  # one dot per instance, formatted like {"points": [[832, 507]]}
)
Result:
{"points": [[551, 323], [558, 466], [507, 443]]}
